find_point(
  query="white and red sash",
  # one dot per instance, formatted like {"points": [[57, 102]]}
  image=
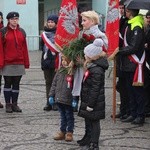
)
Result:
{"points": [[51, 46], [54, 50], [138, 79]]}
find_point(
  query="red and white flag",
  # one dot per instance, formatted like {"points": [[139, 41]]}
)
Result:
{"points": [[112, 27], [68, 23]]}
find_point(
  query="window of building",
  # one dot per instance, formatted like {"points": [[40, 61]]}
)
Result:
{"points": [[84, 5]]}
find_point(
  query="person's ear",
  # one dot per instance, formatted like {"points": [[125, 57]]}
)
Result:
{"points": [[92, 22]]}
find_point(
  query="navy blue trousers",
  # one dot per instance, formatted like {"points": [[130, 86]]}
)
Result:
{"points": [[67, 118]]}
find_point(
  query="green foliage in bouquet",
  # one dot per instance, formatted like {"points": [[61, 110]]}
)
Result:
{"points": [[64, 70], [75, 48]]}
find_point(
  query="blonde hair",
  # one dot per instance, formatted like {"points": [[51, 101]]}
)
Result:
{"points": [[91, 14]]}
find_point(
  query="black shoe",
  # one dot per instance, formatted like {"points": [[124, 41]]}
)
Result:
{"points": [[84, 141], [1, 105], [47, 107], [129, 119], [138, 121], [147, 114], [93, 146], [9, 108], [16, 108], [124, 117]]}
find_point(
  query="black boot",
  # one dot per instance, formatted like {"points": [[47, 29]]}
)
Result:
{"points": [[1, 105], [129, 119], [47, 107], [16, 108], [9, 108], [93, 146], [138, 121], [85, 140]]}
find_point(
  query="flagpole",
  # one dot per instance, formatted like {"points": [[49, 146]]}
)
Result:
{"points": [[112, 32]]}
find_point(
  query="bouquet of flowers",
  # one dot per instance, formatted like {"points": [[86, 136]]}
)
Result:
{"points": [[76, 47]]}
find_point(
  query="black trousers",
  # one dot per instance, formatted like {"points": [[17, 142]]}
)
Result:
{"points": [[11, 88], [92, 128], [147, 90], [147, 99], [136, 96], [124, 98], [48, 76]]}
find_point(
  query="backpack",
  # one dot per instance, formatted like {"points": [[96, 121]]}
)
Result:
{"points": [[4, 31]]}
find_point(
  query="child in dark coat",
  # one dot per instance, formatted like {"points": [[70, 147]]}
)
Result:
{"points": [[63, 98], [48, 58], [92, 107]]}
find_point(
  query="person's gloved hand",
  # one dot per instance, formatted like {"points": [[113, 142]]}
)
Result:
{"points": [[89, 108], [51, 100], [74, 103]]}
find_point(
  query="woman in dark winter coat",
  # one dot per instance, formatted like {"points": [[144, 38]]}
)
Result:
{"points": [[92, 94], [48, 59]]}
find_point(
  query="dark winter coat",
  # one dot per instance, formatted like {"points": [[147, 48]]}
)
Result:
{"points": [[135, 40], [122, 26], [59, 90], [92, 92], [147, 40], [49, 62]]}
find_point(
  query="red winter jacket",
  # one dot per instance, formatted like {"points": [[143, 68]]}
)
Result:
{"points": [[13, 48]]}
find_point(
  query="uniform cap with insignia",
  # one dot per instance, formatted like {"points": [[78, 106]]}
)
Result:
{"points": [[12, 15]]}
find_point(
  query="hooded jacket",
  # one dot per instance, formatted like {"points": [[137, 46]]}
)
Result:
{"points": [[92, 92], [59, 89]]}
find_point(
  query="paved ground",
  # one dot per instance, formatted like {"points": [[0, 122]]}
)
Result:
{"points": [[34, 129]]}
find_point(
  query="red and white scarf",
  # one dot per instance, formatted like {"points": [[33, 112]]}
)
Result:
{"points": [[138, 75], [51, 46], [54, 50]]}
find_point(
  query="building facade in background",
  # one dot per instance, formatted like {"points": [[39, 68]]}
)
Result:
{"points": [[33, 14]]}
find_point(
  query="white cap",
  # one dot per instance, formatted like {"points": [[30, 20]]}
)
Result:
{"points": [[94, 49]]}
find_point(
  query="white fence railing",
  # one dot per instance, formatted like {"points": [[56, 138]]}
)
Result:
{"points": [[33, 42]]}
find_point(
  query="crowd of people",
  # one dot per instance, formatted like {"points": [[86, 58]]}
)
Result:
{"points": [[88, 80]]}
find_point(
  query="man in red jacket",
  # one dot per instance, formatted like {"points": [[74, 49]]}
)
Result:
{"points": [[13, 60]]}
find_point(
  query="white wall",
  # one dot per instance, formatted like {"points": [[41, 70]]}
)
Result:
{"points": [[28, 19], [101, 7]]}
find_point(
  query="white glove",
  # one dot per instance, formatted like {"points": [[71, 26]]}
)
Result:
{"points": [[89, 108]]}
